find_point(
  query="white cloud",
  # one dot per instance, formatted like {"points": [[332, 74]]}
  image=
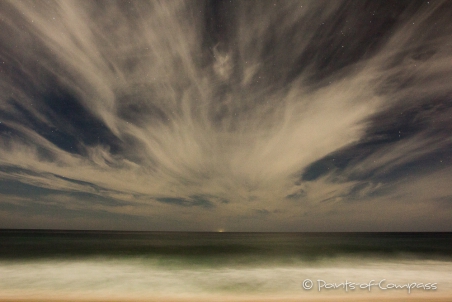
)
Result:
{"points": [[194, 133]]}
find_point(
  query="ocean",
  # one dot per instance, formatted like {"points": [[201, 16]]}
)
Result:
{"points": [[141, 265]]}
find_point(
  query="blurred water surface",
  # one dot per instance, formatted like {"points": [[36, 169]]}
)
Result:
{"points": [[146, 264]]}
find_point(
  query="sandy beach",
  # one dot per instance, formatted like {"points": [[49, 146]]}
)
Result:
{"points": [[443, 299], [430, 298]]}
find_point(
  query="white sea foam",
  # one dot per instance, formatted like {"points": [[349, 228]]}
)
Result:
{"points": [[142, 278]]}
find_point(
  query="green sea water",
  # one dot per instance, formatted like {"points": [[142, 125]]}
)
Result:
{"points": [[147, 264]]}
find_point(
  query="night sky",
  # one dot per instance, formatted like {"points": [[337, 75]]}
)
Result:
{"points": [[226, 115]]}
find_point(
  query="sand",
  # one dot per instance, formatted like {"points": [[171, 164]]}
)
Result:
{"points": [[234, 299]]}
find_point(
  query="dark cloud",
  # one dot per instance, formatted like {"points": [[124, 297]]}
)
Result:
{"points": [[198, 201]]}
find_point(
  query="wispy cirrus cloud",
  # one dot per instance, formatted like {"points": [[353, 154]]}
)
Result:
{"points": [[175, 109]]}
